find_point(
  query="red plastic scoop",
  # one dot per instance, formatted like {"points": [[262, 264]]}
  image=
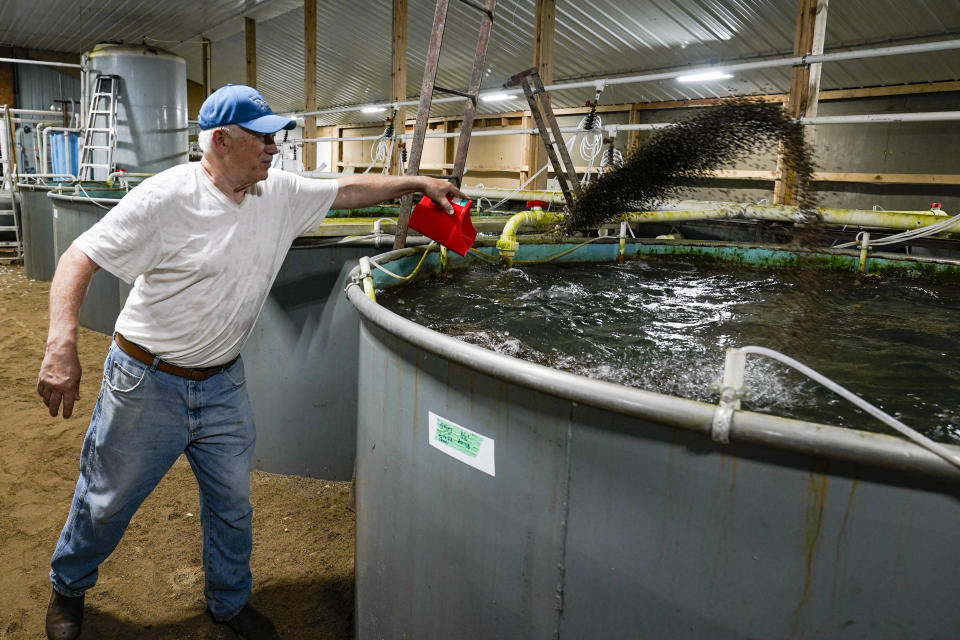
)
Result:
{"points": [[455, 232]]}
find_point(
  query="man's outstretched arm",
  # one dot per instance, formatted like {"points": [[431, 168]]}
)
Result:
{"points": [[59, 379], [359, 191]]}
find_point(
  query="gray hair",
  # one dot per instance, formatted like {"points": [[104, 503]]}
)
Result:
{"points": [[205, 137]]}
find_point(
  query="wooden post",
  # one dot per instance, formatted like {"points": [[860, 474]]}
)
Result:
{"points": [[819, 35], [526, 144], [6, 81], [207, 47], [250, 49], [399, 76], [449, 145], [633, 137], [310, 82], [543, 61], [11, 145], [811, 19]]}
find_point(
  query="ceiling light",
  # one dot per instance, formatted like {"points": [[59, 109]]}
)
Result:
{"points": [[704, 77], [373, 109], [495, 97]]}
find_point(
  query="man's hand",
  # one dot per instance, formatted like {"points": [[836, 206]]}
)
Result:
{"points": [[438, 190], [60, 379]]}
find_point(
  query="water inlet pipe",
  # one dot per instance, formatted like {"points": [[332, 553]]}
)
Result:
{"points": [[732, 390], [864, 248], [622, 250], [507, 245], [367, 278], [443, 262]]}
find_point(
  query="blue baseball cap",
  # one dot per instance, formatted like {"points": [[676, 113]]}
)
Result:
{"points": [[242, 105]]}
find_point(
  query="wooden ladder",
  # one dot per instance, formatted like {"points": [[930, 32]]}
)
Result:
{"points": [[426, 99], [102, 120], [550, 135]]}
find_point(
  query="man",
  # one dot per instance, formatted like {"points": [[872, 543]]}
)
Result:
{"points": [[202, 244]]}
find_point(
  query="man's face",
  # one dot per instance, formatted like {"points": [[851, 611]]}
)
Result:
{"points": [[250, 155]]}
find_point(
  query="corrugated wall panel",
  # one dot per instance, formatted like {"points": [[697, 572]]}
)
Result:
{"points": [[38, 87]]}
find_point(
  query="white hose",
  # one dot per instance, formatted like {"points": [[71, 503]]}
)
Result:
{"points": [[912, 234], [569, 144], [381, 152], [881, 415], [90, 198], [591, 144]]}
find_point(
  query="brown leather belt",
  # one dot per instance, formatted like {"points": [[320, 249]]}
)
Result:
{"points": [[137, 352]]}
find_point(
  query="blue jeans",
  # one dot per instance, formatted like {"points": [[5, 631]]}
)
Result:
{"points": [[143, 420]]}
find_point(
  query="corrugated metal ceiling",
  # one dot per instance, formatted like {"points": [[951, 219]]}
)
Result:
{"points": [[593, 39]]}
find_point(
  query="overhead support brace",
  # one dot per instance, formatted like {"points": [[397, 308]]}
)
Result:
{"points": [[426, 100], [550, 134]]}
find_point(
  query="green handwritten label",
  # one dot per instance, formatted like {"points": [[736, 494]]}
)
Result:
{"points": [[453, 436]]}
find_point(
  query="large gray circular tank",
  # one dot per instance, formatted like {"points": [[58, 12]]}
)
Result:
{"points": [[151, 106], [498, 498], [72, 215], [36, 215]]}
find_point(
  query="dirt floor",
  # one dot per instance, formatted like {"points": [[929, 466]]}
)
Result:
{"points": [[152, 586]]}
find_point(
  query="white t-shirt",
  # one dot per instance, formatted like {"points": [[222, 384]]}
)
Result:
{"points": [[201, 265]]}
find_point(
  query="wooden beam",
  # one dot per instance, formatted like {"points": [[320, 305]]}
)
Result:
{"points": [[250, 49], [633, 137], [544, 23], [7, 91], [310, 82], [799, 96], [449, 144], [893, 90], [816, 48], [206, 47], [825, 95], [398, 93], [195, 98], [889, 178], [704, 102]]}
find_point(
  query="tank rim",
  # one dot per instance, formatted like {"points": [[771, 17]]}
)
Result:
{"points": [[821, 440]]}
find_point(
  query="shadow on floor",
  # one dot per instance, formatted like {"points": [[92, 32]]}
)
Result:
{"points": [[301, 611]]}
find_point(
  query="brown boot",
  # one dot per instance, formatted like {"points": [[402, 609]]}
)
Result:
{"points": [[64, 617]]}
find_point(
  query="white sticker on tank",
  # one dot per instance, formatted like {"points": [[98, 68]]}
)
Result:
{"points": [[469, 447]]}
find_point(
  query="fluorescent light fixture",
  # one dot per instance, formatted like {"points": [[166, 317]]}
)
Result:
{"points": [[373, 109], [496, 97], [704, 77]]}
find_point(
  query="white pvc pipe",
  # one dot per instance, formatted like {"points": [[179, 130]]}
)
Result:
{"points": [[38, 112], [40, 62], [31, 176], [793, 61], [927, 116]]}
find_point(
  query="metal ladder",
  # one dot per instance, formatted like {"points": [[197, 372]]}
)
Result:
{"points": [[426, 99], [8, 217], [550, 135], [101, 119], [9, 222]]}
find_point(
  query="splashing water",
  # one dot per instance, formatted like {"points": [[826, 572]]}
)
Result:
{"points": [[665, 326]]}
